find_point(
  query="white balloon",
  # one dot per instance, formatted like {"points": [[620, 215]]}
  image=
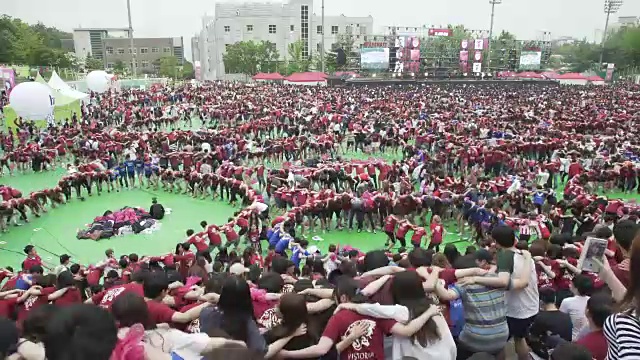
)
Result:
{"points": [[98, 81], [32, 100]]}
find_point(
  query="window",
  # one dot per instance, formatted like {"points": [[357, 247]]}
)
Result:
{"points": [[334, 30], [319, 30], [249, 28], [110, 50], [319, 47], [155, 50], [144, 50], [363, 30], [167, 50], [110, 65], [272, 29], [144, 63], [227, 28], [292, 28], [120, 51], [133, 51]]}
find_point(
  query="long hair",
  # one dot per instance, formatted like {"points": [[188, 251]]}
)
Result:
{"points": [[236, 306], [293, 312], [407, 291], [631, 299]]}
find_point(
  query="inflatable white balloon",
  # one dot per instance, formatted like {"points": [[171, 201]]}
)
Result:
{"points": [[32, 100], [98, 81]]}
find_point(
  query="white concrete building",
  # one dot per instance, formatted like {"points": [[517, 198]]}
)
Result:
{"points": [[279, 23]]}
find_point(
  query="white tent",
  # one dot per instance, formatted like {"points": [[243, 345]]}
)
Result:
{"points": [[56, 83]]}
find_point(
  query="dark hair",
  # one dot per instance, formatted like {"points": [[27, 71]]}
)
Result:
{"points": [[571, 351], [65, 279], [80, 332], [34, 327], [547, 295], [419, 257], [374, 260], [504, 236], [36, 269], [293, 313], [583, 284], [130, 309], [451, 252], [407, 290], [599, 307], [624, 232], [236, 306], [348, 287], [154, 284], [271, 282]]}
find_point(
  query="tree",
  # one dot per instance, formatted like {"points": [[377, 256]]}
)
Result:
{"points": [[296, 62], [169, 67], [21, 43], [91, 63], [249, 57], [119, 67], [188, 72]]}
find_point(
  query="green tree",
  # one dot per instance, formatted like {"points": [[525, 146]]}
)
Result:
{"points": [[296, 62], [188, 71], [91, 63], [169, 67], [21, 43], [250, 57], [579, 56], [119, 67]]}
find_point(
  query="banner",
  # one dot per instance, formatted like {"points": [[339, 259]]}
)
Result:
{"points": [[530, 60], [610, 68], [478, 44], [477, 67], [439, 32], [8, 79], [477, 56], [464, 55], [464, 44]]}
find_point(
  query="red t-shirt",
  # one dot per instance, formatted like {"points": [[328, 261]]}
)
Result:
{"points": [[266, 313], [596, 343], [72, 296], [190, 328], [106, 298], [93, 276], [33, 302], [417, 235], [29, 262], [198, 242], [403, 229], [369, 346], [6, 307], [214, 237], [436, 233], [564, 276], [159, 312], [231, 234]]}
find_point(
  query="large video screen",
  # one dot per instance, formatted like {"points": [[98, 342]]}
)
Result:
{"points": [[374, 58], [530, 60]]}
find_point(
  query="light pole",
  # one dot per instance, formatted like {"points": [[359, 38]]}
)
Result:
{"points": [[133, 53], [493, 12], [610, 7], [322, 40]]}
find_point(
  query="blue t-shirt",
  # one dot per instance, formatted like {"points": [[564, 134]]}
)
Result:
{"points": [[282, 244], [147, 168], [297, 255], [130, 165], [538, 197], [139, 164], [22, 284]]}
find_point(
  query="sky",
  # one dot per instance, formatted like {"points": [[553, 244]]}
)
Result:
{"points": [[167, 18]]}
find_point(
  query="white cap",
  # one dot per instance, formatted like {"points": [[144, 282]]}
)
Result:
{"points": [[238, 269]]}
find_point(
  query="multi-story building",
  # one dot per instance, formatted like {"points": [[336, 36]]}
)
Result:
{"points": [[113, 45], [146, 51], [279, 23]]}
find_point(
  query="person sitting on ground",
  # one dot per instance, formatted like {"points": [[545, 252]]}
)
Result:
{"points": [[157, 210]]}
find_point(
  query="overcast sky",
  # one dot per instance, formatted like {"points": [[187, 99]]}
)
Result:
{"points": [[167, 18]]}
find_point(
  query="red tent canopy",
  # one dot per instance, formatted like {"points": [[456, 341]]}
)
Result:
{"points": [[506, 74], [550, 74], [595, 78], [529, 75], [572, 76], [307, 77], [267, 76]]}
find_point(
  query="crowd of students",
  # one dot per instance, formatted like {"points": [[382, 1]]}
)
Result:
{"points": [[481, 164]]}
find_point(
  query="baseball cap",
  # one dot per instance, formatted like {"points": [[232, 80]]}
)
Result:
{"points": [[483, 254], [238, 269], [64, 258]]}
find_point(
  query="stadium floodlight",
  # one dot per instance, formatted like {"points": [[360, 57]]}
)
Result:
{"points": [[493, 12], [610, 7]]}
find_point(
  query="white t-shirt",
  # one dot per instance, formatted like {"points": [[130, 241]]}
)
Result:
{"points": [[575, 307], [523, 303]]}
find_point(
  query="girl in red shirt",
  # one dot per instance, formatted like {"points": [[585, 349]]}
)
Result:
{"points": [[437, 233]]}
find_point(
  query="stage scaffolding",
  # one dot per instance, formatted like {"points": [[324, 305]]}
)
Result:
{"points": [[440, 56]]}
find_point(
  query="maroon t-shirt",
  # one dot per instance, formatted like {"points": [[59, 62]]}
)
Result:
{"points": [[72, 296], [266, 313], [596, 343], [159, 312], [370, 345]]}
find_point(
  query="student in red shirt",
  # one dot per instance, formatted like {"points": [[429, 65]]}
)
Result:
{"points": [[599, 308], [418, 233], [67, 290], [403, 229], [437, 233], [32, 258], [365, 334]]}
